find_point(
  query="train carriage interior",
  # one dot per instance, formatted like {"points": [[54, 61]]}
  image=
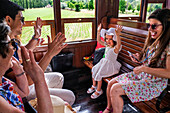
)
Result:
{"points": [[75, 61]]}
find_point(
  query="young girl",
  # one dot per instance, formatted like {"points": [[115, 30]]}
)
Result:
{"points": [[108, 65]]}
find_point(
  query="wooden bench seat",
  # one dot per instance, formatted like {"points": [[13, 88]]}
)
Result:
{"points": [[133, 37]]}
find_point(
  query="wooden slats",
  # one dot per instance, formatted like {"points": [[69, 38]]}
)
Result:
{"points": [[125, 49], [132, 42], [131, 46], [133, 37]]}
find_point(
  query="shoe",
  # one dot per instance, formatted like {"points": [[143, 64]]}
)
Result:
{"points": [[94, 96], [91, 90], [109, 110]]}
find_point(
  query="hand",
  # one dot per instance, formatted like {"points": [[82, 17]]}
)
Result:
{"points": [[136, 56], [137, 70], [30, 66], [56, 45], [17, 67], [99, 27], [37, 28], [118, 29]]}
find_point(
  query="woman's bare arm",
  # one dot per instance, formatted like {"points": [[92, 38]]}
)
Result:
{"points": [[5, 107], [37, 75], [159, 72]]}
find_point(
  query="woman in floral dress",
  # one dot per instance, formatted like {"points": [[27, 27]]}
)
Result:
{"points": [[147, 81]]}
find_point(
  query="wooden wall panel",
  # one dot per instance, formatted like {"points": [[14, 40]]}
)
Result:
{"points": [[104, 6]]}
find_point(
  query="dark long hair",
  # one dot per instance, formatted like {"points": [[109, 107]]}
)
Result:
{"points": [[163, 15]]}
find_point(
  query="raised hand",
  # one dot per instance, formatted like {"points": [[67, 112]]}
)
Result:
{"points": [[99, 27], [17, 67], [37, 28], [118, 29], [56, 45], [30, 66]]}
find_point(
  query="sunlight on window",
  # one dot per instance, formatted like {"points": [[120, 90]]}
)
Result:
{"points": [[78, 31], [77, 9], [152, 7], [129, 8], [28, 32]]}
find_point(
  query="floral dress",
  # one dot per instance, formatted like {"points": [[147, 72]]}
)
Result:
{"points": [[144, 86], [9, 94]]}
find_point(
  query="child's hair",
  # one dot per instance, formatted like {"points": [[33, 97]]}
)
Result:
{"points": [[4, 30], [106, 20]]}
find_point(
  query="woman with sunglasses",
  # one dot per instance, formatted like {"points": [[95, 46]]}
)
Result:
{"points": [[11, 94], [147, 81]]}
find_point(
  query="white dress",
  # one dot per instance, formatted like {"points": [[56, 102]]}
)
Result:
{"points": [[107, 66]]}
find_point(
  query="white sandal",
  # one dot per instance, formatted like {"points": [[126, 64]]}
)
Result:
{"points": [[91, 90], [94, 96]]}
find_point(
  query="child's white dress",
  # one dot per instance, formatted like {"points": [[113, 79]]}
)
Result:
{"points": [[107, 66]]}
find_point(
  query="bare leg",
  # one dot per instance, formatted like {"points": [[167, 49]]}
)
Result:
{"points": [[109, 105], [115, 94], [99, 85], [94, 82]]}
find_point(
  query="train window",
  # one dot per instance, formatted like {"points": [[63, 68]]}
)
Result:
{"points": [[77, 8], [78, 31], [78, 18], [28, 32], [129, 8], [152, 7]]}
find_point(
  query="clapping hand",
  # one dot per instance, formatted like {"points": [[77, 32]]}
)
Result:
{"points": [[30, 66], [57, 44], [17, 67], [37, 28]]}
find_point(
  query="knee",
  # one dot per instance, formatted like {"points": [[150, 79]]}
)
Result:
{"points": [[110, 83], [71, 97], [58, 76], [114, 91]]}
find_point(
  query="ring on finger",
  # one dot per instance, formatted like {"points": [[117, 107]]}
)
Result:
{"points": [[27, 60]]}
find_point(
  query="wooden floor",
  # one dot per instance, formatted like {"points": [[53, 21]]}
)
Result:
{"points": [[89, 105], [79, 81]]}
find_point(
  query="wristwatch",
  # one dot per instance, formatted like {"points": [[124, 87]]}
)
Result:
{"points": [[33, 37]]}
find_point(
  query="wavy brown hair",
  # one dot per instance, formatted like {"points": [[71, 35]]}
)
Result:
{"points": [[163, 15], [4, 48]]}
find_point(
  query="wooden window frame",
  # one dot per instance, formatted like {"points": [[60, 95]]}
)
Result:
{"points": [[59, 22]]}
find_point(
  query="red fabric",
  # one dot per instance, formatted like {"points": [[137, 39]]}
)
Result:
{"points": [[99, 45]]}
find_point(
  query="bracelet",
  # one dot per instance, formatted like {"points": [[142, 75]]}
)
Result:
{"points": [[20, 74], [33, 37]]}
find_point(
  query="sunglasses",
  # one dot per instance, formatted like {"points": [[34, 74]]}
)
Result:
{"points": [[153, 26], [22, 19], [13, 42]]}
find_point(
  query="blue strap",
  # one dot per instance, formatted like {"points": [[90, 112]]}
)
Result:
{"points": [[16, 53]]}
